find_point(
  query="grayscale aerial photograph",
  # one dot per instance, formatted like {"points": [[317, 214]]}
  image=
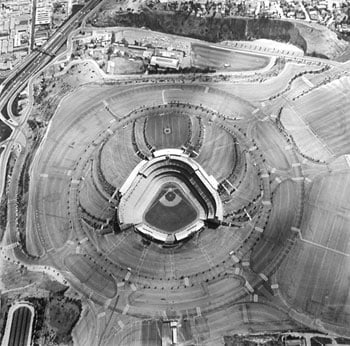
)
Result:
{"points": [[175, 172]]}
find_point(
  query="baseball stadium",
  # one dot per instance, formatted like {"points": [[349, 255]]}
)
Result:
{"points": [[190, 211]]}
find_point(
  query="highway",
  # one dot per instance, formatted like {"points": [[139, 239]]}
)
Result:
{"points": [[38, 59]]}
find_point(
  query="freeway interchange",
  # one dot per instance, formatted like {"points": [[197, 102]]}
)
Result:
{"points": [[39, 59]]}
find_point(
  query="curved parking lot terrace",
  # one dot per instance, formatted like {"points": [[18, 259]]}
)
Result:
{"points": [[190, 202]]}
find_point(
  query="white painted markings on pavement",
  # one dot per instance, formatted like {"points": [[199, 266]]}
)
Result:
{"points": [[249, 287], [278, 180], [263, 276], [347, 158], [10, 246], [127, 276], [256, 110], [234, 258], [307, 81], [163, 97], [107, 303], [259, 229], [126, 309], [101, 314]]}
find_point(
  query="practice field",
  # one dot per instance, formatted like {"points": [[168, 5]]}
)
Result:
{"points": [[20, 327], [170, 210], [167, 130], [315, 276], [226, 59]]}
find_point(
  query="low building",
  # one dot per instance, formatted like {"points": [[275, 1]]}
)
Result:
{"points": [[169, 53], [43, 15], [164, 62]]}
